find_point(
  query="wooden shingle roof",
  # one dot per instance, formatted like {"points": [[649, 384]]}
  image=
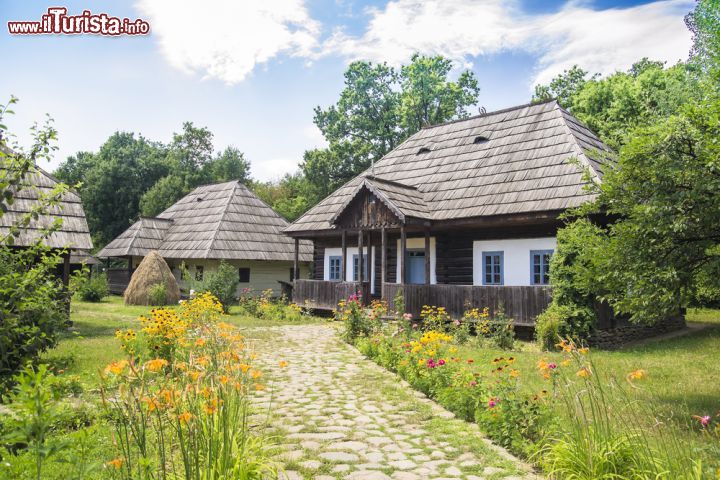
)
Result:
{"points": [[218, 221], [506, 162], [73, 233]]}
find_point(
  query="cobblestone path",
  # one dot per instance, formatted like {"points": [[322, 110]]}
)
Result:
{"points": [[344, 417]]}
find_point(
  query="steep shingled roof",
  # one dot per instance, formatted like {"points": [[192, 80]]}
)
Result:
{"points": [[219, 221], [505, 162], [73, 233]]}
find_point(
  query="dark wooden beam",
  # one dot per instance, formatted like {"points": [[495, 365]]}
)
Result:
{"points": [[401, 254], [427, 256], [361, 234], [296, 260], [343, 261], [369, 258], [66, 269], [383, 257]]}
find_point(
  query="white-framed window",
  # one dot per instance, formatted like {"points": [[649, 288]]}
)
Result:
{"points": [[356, 261], [540, 267], [492, 268], [334, 266]]}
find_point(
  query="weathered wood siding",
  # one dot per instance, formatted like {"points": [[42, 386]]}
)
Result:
{"points": [[522, 304], [326, 295], [118, 279]]}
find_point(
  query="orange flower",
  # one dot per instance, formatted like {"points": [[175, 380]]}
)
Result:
{"points": [[185, 417], [259, 386], [211, 406], [199, 342], [116, 368], [115, 463], [514, 373], [152, 403], [584, 372], [637, 374], [223, 379], [583, 350], [156, 364], [256, 374], [283, 364]]}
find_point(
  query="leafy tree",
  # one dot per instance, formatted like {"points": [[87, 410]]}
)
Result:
{"points": [[160, 196], [73, 170], [125, 167], [228, 165], [704, 23], [291, 196], [429, 98], [613, 106], [379, 108]]}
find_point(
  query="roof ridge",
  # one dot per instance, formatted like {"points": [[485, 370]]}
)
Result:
{"points": [[391, 182], [574, 141], [143, 217], [488, 114], [222, 218]]}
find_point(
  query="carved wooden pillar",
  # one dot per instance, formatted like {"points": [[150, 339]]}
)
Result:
{"points": [[383, 257], [296, 262], [369, 278], [361, 277]]}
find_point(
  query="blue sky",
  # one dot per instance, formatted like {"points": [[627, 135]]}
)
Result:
{"points": [[253, 71]]}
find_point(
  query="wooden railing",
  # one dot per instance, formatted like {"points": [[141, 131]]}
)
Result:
{"points": [[326, 295], [522, 304]]}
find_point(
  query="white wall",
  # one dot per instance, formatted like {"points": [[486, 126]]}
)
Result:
{"points": [[516, 257], [337, 252], [415, 244]]}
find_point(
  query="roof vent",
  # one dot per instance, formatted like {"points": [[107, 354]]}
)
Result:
{"points": [[481, 139], [424, 149], [198, 199]]}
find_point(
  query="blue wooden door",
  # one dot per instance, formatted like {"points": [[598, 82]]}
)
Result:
{"points": [[415, 265]]}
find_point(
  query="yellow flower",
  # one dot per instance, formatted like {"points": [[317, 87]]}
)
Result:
{"points": [[199, 342], [156, 364], [211, 406], [583, 350], [514, 373], [115, 463], [116, 368], [637, 374], [223, 379], [584, 372], [283, 364], [256, 374], [151, 403], [244, 367], [259, 386]]}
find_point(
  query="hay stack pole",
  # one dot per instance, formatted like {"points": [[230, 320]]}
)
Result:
{"points": [[151, 271]]}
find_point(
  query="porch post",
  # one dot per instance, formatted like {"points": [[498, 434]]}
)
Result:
{"points": [[369, 260], [361, 277], [427, 256], [383, 257], [343, 261], [296, 261], [66, 269], [401, 254]]}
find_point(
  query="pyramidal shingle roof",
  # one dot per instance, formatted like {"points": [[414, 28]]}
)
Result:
{"points": [[506, 162], [218, 221], [73, 232]]}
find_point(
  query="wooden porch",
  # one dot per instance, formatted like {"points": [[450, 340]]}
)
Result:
{"points": [[523, 304]]}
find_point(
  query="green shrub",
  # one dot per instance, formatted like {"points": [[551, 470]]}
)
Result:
{"points": [[32, 308], [552, 325], [502, 331], [222, 283], [91, 288], [157, 294], [356, 322]]}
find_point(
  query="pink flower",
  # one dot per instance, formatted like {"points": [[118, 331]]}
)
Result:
{"points": [[473, 383], [431, 363], [441, 362], [552, 365], [492, 403], [457, 323], [407, 316], [704, 420], [415, 325]]}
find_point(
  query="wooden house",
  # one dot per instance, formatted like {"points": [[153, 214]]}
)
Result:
{"points": [[73, 235], [462, 213], [223, 221]]}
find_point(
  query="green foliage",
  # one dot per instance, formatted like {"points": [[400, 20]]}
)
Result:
{"points": [[91, 288], [291, 196], [157, 294], [615, 105], [357, 325], [165, 192], [37, 408], [704, 23], [574, 270], [223, 284], [379, 108], [502, 331]]}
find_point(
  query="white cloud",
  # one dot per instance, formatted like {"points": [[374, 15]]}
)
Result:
{"points": [[598, 40], [273, 168], [227, 39]]}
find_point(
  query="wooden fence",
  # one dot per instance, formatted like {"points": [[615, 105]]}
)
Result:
{"points": [[118, 280], [523, 304], [326, 295]]}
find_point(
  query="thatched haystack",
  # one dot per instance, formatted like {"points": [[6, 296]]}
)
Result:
{"points": [[151, 271]]}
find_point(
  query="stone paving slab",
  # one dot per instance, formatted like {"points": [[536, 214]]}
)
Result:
{"points": [[341, 416]]}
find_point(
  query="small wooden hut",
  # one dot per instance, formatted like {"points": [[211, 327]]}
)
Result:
{"points": [[213, 223]]}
